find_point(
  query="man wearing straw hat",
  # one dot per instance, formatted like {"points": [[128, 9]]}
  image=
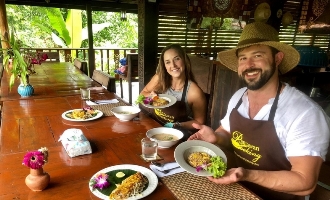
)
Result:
{"points": [[278, 135]]}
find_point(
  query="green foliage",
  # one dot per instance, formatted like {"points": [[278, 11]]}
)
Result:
{"points": [[40, 22], [14, 61], [57, 22]]}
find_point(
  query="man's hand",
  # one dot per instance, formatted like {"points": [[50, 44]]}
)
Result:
{"points": [[232, 175], [205, 133]]}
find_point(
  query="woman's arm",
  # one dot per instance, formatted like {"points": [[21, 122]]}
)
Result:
{"points": [[197, 102], [150, 86]]}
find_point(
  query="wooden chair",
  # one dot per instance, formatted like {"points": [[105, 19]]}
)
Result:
{"points": [[81, 65], [132, 74], [204, 70], [53, 56], [105, 80]]}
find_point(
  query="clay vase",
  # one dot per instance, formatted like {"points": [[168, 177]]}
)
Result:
{"points": [[37, 180]]}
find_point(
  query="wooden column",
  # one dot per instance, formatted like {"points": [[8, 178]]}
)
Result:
{"points": [[91, 53], [4, 25], [148, 37]]}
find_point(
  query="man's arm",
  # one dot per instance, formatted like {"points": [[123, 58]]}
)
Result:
{"points": [[301, 180]]}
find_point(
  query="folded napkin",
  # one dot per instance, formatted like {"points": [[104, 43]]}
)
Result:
{"points": [[166, 166], [96, 88], [98, 102]]}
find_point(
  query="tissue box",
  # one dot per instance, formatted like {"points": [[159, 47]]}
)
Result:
{"points": [[75, 143]]}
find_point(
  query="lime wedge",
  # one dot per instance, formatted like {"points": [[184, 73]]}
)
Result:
{"points": [[120, 174]]}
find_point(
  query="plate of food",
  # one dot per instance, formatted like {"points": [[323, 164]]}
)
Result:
{"points": [[201, 158], [123, 182], [157, 101], [84, 114]]}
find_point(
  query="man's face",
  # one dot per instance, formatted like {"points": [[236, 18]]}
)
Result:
{"points": [[256, 65]]}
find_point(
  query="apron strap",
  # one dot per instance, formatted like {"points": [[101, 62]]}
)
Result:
{"points": [[183, 97], [274, 106]]}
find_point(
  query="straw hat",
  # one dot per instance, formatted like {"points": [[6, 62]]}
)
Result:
{"points": [[261, 33]]}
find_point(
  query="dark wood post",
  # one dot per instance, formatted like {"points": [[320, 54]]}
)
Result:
{"points": [[4, 25], [148, 37]]}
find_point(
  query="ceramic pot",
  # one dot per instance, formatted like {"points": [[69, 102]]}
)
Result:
{"points": [[37, 180], [25, 91]]}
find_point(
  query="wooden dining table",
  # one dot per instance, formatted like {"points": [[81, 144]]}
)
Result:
{"points": [[30, 123]]}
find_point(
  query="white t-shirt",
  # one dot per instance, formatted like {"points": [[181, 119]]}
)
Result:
{"points": [[301, 124]]}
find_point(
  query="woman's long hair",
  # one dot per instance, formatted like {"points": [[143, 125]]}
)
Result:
{"points": [[165, 79]]}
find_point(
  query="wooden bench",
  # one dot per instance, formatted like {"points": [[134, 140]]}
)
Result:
{"points": [[81, 65], [105, 80], [132, 74]]}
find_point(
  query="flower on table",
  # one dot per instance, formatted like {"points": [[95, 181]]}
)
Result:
{"points": [[100, 181], [36, 159]]}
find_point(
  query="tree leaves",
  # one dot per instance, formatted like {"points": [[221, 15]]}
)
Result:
{"points": [[57, 22]]}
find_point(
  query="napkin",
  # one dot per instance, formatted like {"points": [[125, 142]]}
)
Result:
{"points": [[75, 143], [98, 102], [166, 166]]}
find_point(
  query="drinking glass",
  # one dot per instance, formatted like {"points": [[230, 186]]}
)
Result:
{"points": [[85, 93], [149, 149]]}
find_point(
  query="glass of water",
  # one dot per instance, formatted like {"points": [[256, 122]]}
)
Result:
{"points": [[85, 93], [149, 149]]}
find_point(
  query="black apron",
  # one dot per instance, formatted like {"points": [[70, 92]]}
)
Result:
{"points": [[257, 146]]}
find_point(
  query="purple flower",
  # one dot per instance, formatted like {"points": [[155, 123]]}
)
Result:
{"points": [[34, 159], [202, 167], [147, 100], [100, 181]]}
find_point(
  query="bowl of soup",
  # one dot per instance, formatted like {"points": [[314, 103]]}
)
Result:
{"points": [[126, 113], [165, 137]]}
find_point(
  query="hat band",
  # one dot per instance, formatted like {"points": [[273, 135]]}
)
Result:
{"points": [[251, 41]]}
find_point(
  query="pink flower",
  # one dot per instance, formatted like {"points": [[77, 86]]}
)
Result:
{"points": [[44, 57], [100, 181], [34, 159]]}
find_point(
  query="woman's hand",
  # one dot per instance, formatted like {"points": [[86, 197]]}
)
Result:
{"points": [[231, 176], [204, 133]]}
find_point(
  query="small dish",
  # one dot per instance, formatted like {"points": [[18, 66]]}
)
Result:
{"points": [[165, 130], [125, 113]]}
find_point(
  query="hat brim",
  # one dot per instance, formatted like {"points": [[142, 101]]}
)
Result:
{"points": [[290, 60]]}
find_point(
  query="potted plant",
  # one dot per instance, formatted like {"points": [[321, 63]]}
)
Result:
{"points": [[20, 64]]}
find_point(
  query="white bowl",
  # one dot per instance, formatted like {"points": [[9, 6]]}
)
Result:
{"points": [[125, 113], [166, 130]]}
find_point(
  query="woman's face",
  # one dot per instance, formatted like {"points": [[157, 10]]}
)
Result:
{"points": [[174, 64]]}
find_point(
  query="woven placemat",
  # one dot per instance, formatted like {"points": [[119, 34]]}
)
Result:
{"points": [[106, 108], [186, 186]]}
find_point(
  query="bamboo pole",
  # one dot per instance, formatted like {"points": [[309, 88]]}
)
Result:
{"points": [[4, 25]]}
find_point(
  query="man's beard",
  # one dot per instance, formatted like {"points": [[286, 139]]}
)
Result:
{"points": [[264, 78]]}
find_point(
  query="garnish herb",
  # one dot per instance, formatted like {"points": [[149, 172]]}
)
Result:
{"points": [[216, 166]]}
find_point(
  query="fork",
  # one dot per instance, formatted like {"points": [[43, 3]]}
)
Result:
{"points": [[165, 171]]}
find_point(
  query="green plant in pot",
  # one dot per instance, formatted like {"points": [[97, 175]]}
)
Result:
{"points": [[17, 63]]}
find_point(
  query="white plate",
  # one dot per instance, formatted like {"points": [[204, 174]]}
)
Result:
{"points": [[99, 114], [152, 178], [183, 150], [169, 98]]}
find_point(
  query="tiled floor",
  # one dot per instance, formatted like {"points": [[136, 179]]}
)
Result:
{"points": [[135, 90]]}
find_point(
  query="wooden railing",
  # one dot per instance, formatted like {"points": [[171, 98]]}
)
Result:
{"points": [[106, 59]]}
